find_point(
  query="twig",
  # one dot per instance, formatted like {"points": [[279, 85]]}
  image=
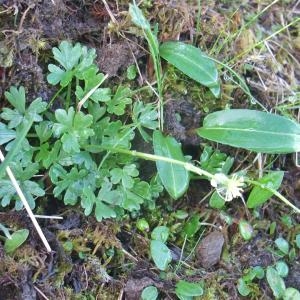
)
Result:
{"points": [[48, 217], [112, 17], [25, 203], [41, 293], [90, 93]]}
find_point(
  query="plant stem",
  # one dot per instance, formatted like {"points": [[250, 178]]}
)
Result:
{"points": [[54, 97], [241, 83], [68, 98], [188, 166], [264, 40]]}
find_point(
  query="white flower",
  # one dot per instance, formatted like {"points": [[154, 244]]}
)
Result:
{"points": [[228, 187]]}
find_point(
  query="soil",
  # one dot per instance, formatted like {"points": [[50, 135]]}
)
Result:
{"points": [[28, 31]]}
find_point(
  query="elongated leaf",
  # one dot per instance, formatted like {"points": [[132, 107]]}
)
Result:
{"points": [[193, 63], [175, 178], [253, 130], [258, 195]]}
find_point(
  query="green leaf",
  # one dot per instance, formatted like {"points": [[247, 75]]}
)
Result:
{"points": [[88, 200], [132, 201], [16, 240], [43, 131], [192, 225], [253, 130], [174, 178], [91, 79], [160, 233], [215, 161], [275, 282], [298, 240], [138, 18], [282, 245], [216, 201], [114, 134], [35, 108], [291, 294], [57, 75], [258, 195], [72, 182], [119, 101], [142, 225], [188, 289], [161, 254], [131, 72], [74, 60], [67, 55], [282, 268], [74, 128], [103, 211], [7, 192], [149, 293], [16, 97], [181, 214], [243, 288], [17, 145], [124, 175], [246, 230], [259, 272], [193, 63], [6, 134], [14, 117], [145, 116]]}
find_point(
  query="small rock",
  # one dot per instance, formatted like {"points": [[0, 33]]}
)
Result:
{"points": [[209, 250]]}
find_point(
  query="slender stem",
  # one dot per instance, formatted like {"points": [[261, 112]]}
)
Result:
{"points": [[188, 166], [68, 98], [242, 84], [264, 40], [254, 18], [54, 97]]}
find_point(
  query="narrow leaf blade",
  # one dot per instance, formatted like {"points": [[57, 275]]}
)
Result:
{"points": [[252, 130], [175, 178]]}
